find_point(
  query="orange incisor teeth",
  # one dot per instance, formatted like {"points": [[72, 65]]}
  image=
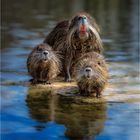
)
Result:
{"points": [[82, 28]]}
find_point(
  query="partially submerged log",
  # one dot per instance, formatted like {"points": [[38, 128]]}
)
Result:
{"points": [[70, 91]]}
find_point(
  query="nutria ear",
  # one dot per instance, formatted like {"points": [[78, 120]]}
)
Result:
{"points": [[37, 46]]}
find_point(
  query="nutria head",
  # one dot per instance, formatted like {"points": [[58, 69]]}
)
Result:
{"points": [[84, 27], [91, 66], [42, 53], [42, 56]]}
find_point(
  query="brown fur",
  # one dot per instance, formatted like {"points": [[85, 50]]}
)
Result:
{"points": [[98, 80], [64, 39], [38, 68], [57, 34]]}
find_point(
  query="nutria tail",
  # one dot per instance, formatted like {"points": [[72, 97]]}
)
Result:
{"points": [[43, 63]]}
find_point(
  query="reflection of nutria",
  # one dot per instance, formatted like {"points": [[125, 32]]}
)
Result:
{"points": [[73, 38], [43, 64], [82, 121], [91, 72]]}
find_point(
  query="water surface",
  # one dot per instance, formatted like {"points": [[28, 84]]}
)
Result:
{"points": [[40, 115]]}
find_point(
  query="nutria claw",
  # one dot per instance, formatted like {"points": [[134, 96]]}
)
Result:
{"points": [[46, 82], [68, 80], [33, 81], [98, 95]]}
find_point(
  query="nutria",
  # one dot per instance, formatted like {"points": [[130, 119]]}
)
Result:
{"points": [[74, 37], [43, 64], [91, 74]]}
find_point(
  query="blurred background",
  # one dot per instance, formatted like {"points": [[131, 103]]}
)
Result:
{"points": [[24, 25]]}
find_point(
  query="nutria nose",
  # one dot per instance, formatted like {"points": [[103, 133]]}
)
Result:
{"points": [[45, 52], [88, 69], [81, 17]]}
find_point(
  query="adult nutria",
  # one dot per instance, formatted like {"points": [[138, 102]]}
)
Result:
{"points": [[91, 74], [74, 37], [43, 64]]}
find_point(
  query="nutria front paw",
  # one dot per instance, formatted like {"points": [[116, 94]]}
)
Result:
{"points": [[33, 81], [68, 80], [45, 82], [98, 95]]}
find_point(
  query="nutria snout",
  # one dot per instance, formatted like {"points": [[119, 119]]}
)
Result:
{"points": [[88, 72]]}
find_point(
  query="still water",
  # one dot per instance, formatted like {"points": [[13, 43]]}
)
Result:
{"points": [[28, 113]]}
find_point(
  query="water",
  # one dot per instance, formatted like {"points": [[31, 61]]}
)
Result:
{"points": [[28, 113]]}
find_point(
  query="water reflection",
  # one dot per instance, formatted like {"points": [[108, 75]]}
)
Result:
{"points": [[83, 121], [25, 24]]}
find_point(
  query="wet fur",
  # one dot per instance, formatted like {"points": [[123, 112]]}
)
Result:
{"points": [[64, 39], [97, 82], [43, 71]]}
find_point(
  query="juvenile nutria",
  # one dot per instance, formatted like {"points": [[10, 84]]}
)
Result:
{"points": [[74, 37], [43, 64], [91, 74]]}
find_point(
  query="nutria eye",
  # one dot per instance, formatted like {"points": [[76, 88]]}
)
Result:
{"points": [[84, 17], [40, 49], [79, 18], [99, 63]]}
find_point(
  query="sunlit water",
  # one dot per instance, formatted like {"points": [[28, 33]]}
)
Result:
{"points": [[27, 115]]}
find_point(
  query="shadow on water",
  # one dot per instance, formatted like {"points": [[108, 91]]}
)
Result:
{"points": [[82, 121]]}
